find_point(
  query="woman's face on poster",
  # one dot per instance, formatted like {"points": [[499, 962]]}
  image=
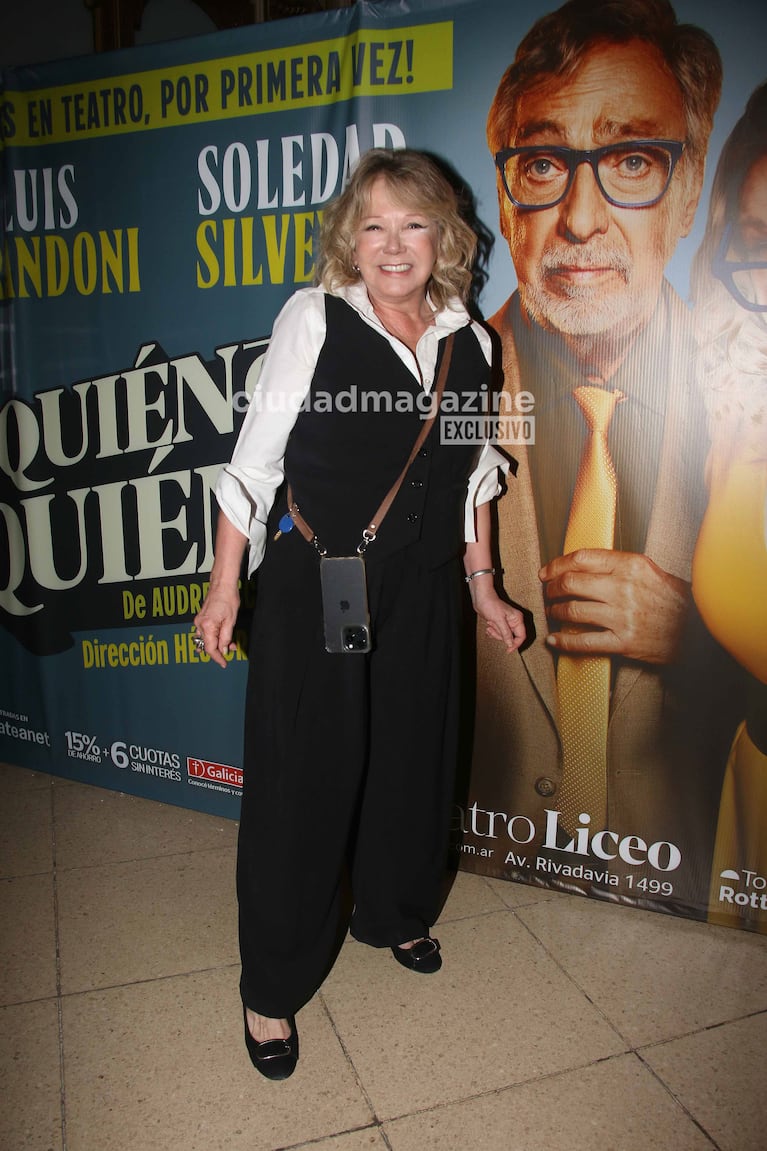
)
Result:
{"points": [[752, 226], [745, 243]]}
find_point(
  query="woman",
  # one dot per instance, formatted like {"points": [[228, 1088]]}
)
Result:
{"points": [[349, 754], [730, 562]]}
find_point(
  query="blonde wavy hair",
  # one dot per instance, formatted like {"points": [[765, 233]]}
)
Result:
{"points": [[414, 181]]}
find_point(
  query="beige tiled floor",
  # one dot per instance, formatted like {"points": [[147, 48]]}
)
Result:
{"points": [[556, 1024]]}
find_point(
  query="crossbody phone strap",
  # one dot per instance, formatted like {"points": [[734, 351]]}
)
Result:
{"points": [[370, 532]]}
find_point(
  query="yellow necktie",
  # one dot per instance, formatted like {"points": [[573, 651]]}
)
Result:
{"points": [[583, 682]]}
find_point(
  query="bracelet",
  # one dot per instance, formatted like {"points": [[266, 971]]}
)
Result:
{"points": [[482, 571]]}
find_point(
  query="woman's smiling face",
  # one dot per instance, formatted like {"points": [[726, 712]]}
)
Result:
{"points": [[395, 248]]}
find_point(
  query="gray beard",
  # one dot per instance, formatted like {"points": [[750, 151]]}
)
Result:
{"points": [[584, 312]]}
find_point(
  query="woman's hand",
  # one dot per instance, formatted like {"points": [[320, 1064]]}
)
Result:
{"points": [[215, 622], [216, 618], [504, 622]]}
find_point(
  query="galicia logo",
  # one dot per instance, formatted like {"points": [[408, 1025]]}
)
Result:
{"points": [[751, 889], [205, 769]]}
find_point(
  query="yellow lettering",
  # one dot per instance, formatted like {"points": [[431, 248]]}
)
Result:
{"points": [[304, 263], [248, 279], [84, 263], [28, 264], [230, 268], [111, 261], [134, 278], [276, 250], [206, 235], [56, 265]]}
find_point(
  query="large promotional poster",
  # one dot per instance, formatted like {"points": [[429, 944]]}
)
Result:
{"points": [[161, 204]]}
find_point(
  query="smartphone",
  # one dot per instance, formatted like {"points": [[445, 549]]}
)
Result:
{"points": [[345, 604]]}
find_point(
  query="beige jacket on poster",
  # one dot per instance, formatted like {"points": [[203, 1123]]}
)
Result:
{"points": [[655, 788]]}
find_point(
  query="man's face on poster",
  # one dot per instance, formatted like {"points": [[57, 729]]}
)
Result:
{"points": [[586, 266]]}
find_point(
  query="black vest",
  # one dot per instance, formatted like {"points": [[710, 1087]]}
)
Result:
{"points": [[356, 431]]}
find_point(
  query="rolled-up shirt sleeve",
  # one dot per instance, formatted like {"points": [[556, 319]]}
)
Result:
{"points": [[484, 484], [247, 485]]}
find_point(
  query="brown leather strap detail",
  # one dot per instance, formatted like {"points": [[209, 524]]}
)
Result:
{"points": [[372, 528], [298, 519], [436, 399]]}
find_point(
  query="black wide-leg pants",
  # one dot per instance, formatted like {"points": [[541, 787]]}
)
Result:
{"points": [[349, 760]]}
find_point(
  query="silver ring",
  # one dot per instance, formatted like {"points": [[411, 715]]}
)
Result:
{"points": [[199, 643]]}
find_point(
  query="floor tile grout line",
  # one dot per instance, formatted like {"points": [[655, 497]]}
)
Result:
{"points": [[484, 914], [350, 1061], [571, 978], [25, 875], [541, 1079], [469, 916], [377, 1123], [215, 967], [630, 1048], [531, 890], [145, 858], [503, 1088], [682, 1106], [634, 1048], [29, 1002], [639, 1048], [628, 1051], [59, 1003], [26, 792], [320, 1139]]}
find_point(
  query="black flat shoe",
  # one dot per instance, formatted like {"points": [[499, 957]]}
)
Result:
{"points": [[423, 956], [274, 1058]]}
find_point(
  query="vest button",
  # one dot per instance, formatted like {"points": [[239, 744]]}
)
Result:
{"points": [[416, 483], [423, 453], [413, 517], [545, 786]]}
